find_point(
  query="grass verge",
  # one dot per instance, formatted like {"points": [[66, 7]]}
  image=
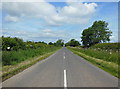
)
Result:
{"points": [[15, 57], [9, 71], [109, 67]]}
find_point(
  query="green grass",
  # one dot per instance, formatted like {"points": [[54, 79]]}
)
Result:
{"points": [[14, 57], [100, 54], [10, 70], [101, 58], [109, 46]]}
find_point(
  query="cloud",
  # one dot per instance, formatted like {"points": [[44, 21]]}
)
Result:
{"points": [[78, 12], [52, 33], [11, 18], [43, 34], [114, 38], [72, 13], [78, 9]]}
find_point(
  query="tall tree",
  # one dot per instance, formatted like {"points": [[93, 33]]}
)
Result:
{"points": [[97, 33]]}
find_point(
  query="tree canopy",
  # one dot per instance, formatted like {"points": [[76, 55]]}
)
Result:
{"points": [[97, 33], [50, 43], [11, 44], [72, 43], [59, 42]]}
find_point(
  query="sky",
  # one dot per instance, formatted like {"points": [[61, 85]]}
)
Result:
{"points": [[50, 21]]}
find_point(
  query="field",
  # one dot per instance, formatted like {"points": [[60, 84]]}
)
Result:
{"points": [[18, 55], [105, 57], [108, 46], [16, 61], [15, 50], [14, 57]]}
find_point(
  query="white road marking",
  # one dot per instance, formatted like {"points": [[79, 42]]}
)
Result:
{"points": [[65, 79], [64, 57]]}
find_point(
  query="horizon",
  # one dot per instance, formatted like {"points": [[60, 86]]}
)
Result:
{"points": [[61, 20]]}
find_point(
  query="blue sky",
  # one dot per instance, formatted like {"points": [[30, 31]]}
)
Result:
{"points": [[50, 21]]}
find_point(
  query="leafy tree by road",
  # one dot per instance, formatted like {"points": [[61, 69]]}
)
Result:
{"points": [[73, 43], [12, 43], [97, 33]]}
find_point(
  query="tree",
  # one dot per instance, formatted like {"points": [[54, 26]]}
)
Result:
{"points": [[59, 42], [12, 43], [50, 43], [97, 33], [72, 43]]}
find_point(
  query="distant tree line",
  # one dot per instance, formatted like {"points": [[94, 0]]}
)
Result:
{"points": [[97, 33], [73, 43], [15, 43], [9, 44], [59, 42]]}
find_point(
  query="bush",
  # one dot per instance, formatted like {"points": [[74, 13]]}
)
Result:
{"points": [[15, 43], [100, 54], [16, 50], [112, 46], [14, 57]]}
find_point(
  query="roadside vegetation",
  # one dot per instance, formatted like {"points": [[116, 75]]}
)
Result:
{"points": [[10, 70], [107, 46], [106, 59], [97, 33], [104, 54], [73, 43], [18, 55], [97, 49], [14, 57]]}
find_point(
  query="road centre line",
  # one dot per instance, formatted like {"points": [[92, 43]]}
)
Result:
{"points": [[65, 79], [64, 57]]}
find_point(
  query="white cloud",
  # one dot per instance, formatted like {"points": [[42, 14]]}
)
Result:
{"points": [[73, 13], [44, 34], [47, 30], [114, 38], [78, 12], [52, 33], [11, 18]]}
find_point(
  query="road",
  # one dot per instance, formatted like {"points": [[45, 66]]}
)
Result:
{"points": [[62, 69]]}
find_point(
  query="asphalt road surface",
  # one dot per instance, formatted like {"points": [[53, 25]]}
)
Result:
{"points": [[62, 69]]}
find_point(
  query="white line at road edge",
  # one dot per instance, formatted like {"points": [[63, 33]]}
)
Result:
{"points": [[65, 79]]}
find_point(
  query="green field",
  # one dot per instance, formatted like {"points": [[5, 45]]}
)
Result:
{"points": [[14, 57], [108, 46], [10, 70], [18, 55], [16, 61], [105, 57]]}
